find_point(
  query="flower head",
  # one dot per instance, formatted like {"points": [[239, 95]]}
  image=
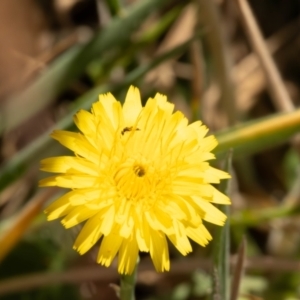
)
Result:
{"points": [[139, 176]]}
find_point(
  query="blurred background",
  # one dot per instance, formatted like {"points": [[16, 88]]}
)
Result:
{"points": [[56, 56]]}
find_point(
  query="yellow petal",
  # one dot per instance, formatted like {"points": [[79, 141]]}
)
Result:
{"points": [[68, 164], [132, 106], [200, 235], [108, 221], [77, 143], [112, 108], [76, 216], [219, 197], [212, 214], [163, 104], [159, 220], [88, 236], [85, 122], [179, 239], [128, 255], [110, 245], [159, 251], [77, 181], [142, 234], [213, 175], [60, 207]]}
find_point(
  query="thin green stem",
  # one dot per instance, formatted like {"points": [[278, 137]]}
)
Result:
{"points": [[128, 285]]}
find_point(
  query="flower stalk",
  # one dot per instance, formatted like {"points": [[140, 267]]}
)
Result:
{"points": [[128, 285]]}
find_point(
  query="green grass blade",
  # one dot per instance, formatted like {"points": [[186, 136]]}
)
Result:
{"points": [[260, 134], [221, 245]]}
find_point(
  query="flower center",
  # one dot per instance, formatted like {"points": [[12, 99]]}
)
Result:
{"points": [[139, 170], [140, 181], [134, 180]]}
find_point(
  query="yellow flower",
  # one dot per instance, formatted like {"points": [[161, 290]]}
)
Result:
{"points": [[139, 175]]}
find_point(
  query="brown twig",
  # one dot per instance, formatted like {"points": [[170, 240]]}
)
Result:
{"points": [[238, 271], [276, 86], [247, 74]]}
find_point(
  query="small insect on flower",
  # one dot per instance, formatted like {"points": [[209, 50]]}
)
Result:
{"points": [[139, 175], [128, 129]]}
